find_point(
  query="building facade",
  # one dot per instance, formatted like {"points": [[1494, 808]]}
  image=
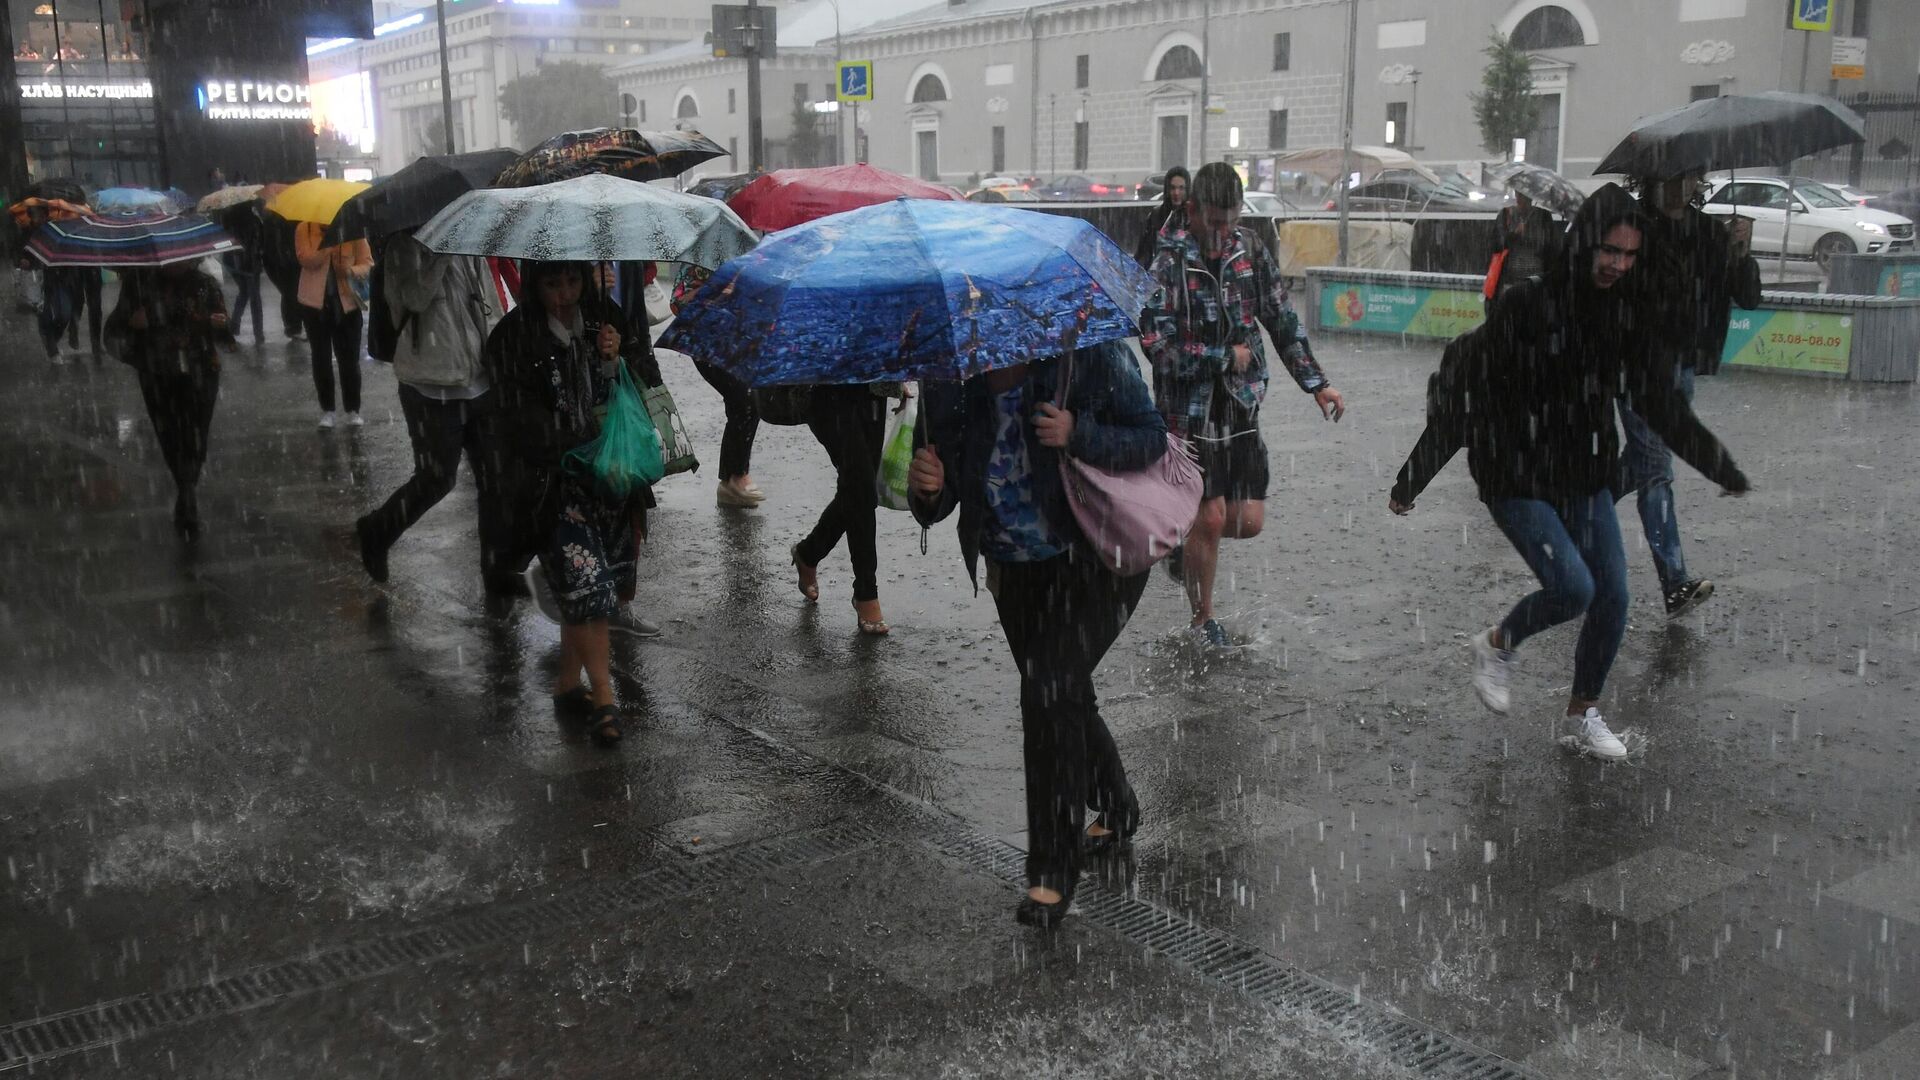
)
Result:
{"points": [[161, 92], [1118, 89], [489, 45], [689, 90]]}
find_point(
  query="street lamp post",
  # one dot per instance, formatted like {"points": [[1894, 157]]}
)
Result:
{"points": [[751, 35], [1346, 124], [446, 77]]}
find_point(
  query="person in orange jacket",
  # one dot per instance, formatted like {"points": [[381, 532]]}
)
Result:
{"points": [[330, 309]]}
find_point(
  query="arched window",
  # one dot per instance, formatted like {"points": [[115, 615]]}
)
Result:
{"points": [[1180, 62], [929, 88], [1548, 27], [686, 109]]}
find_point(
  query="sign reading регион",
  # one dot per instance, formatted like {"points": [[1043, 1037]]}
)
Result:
{"points": [[236, 99], [1814, 341], [1399, 309]]}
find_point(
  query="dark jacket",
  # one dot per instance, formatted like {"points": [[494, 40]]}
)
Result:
{"points": [[1532, 243], [1115, 426], [179, 337], [1157, 219], [539, 411], [1692, 279], [1531, 393]]}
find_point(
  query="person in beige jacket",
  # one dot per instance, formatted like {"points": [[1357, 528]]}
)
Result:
{"points": [[330, 311]]}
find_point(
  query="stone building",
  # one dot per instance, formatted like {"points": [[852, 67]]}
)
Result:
{"points": [[1113, 88]]}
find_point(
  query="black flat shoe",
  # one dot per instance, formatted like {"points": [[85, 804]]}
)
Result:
{"points": [[605, 725], [1031, 912], [1121, 823]]}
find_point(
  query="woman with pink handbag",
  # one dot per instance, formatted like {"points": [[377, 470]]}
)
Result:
{"points": [[993, 448]]}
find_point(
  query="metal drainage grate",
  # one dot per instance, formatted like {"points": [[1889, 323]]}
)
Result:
{"points": [[1236, 964], [92, 1027]]}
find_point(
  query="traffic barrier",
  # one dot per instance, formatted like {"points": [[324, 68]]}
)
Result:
{"points": [[1862, 338]]}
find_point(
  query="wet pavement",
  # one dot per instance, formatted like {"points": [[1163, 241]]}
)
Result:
{"points": [[264, 818]]}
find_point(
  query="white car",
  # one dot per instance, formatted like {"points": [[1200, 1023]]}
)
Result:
{"points": [[1824, 224]]}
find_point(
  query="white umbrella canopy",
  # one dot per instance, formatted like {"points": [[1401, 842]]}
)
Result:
{"points": [[1329, 162], [594, 218]]}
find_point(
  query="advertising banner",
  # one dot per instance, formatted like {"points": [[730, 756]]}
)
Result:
{"points": [[1815, 341], [1400, 309], [1900, 280]]}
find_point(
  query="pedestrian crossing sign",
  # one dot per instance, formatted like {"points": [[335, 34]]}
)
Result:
{"points": [[856, 80], [1813, 15]]}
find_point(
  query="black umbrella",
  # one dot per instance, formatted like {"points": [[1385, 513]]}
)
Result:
{"points": [[410, 197], [1543, 186], [723, 187], [621, 152], [1735, 131], [63, 188]]}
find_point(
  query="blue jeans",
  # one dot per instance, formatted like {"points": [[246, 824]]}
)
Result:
{"points": [[1576, 553], [1649, 470], [249, 297]]}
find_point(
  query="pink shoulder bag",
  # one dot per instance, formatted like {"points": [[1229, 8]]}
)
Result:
{"points": [[1133, 519]]}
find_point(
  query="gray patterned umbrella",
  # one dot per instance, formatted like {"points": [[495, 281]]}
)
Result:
{"points": [[589, 218]]}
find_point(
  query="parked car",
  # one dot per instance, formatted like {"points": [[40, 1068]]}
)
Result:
{"points": [[1413, 195], [1002, 195], [1272, 204], [1082, 189], [1824, 223], [1905, 203]]}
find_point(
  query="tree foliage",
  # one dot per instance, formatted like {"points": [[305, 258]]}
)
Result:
{"points": [[1504, 106], [561, 96]]}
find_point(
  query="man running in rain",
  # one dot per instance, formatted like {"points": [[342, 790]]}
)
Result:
{"points": [[1218, 286], [1530, 394], [1696, 270]]}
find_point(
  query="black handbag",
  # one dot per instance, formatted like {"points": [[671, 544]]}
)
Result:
{"points": [[787, 406]]}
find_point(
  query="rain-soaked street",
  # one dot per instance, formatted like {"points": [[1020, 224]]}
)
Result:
{"points": [[264, 818]]}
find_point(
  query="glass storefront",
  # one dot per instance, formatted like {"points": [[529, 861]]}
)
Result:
{"points": [[87, 102]]}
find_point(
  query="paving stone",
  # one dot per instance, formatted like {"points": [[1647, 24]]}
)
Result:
{"points": [[1766, 581], [1604, 1052], [1794, 683], [1892, 889], [1650, 885], [1893, 1058], [1242, 820]]}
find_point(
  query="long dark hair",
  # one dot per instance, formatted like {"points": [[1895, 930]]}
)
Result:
{"points": [[1166, 184]]}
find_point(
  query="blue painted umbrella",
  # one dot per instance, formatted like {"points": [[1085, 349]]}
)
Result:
{"points": [[124, 242], [133, 200], [912, 289]]}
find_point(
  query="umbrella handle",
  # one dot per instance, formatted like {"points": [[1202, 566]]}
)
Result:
{"points": [[923, 539]]}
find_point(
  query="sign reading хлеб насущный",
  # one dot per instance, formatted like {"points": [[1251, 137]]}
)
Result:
{"points": [[1810, 341]]}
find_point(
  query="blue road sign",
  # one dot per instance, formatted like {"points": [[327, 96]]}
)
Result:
{"points": [[856, 80]]}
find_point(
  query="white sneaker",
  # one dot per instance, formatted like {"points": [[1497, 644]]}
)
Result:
{"points": [[1491, 669], [354, 420], [326, 421], [1590, 734]]}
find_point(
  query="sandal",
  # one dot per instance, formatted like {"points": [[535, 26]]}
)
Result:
{"points": [[809, 577], [605, 725], [870, 627], [574, 702]]}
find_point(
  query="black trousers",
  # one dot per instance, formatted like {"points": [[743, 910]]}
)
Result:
{"points": [[1060, 617], [736, 442], [90, 294], [850, 422], [181, 409], [334, 335], [286, 282], [440, 432]]}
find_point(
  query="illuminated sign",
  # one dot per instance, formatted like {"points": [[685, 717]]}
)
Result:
{"points": [[88, 91], [343, 107], [255, 100]]}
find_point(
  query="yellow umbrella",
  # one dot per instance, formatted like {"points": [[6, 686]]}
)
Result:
{"points": [[315, 200]]}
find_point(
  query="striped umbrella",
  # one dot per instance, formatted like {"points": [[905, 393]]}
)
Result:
{"points": [[121, 242]]}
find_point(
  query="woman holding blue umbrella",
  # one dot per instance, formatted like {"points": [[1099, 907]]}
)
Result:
{"points": [[1013, 323]]}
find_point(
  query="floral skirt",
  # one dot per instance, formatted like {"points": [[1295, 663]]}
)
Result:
{"points": [[589, 561]]}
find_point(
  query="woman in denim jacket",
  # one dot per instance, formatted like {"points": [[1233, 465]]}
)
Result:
{"points": [[991, 447]]}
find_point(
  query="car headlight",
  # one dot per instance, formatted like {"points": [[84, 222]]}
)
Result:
{"points": [[1871, 227], [1476, 196]]}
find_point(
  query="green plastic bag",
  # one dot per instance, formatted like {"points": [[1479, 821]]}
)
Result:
{"points": [[896, 455], [626, 454]]}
